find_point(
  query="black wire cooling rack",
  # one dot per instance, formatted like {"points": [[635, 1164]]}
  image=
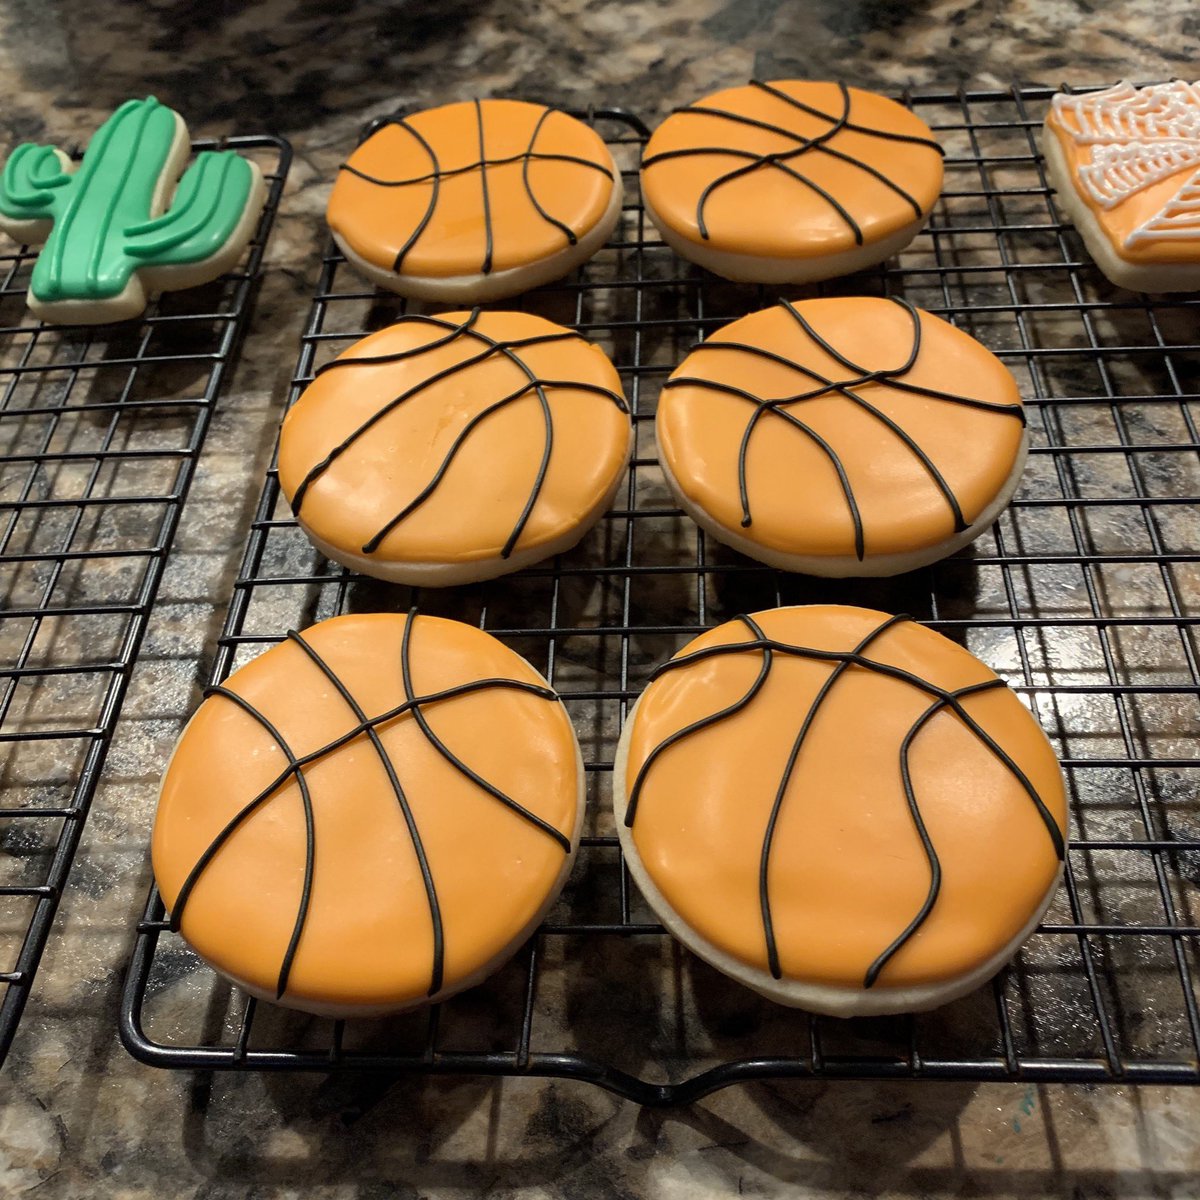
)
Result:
{"points": [[1084, 596], [100, 428]]}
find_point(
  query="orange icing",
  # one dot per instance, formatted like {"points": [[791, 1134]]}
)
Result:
{"points": [[847, 869], [368, 936], [767, 211], [1120, 221], [473, 511], [378, 222], [797, 502]]}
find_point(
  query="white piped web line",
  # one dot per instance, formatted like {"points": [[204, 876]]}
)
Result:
{"points": [[1139, 137]]}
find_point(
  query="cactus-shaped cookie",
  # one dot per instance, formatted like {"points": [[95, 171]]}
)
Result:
{"points": [[108, 240]]}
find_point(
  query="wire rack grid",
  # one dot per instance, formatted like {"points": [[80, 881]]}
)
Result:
{"points": [[100, 429], [1083, 596]]}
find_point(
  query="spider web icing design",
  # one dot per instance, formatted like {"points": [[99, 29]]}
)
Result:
{"points": [[1139, 137]]}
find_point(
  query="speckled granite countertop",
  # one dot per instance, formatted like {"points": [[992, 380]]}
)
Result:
{"points": [[77, 1116]]}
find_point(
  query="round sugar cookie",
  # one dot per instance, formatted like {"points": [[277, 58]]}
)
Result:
{"points": [[458, 447], [790, 181], [843, 810], [372, 815], [475, 201], [842, 436]]}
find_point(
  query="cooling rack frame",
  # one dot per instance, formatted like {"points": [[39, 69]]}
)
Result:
{"points": [[978, 268], [198, 332]]}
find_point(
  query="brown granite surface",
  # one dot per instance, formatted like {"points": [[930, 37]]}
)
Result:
{"points": [[78, 1118]]}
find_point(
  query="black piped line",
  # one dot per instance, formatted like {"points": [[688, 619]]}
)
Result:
{"points": [[295, 768], [885, 375], [910, 796], [464, 434], [506, 161], [895, 673], [886, 134], [449, 755], [486, 267], [414, 833], [467, 327], [680, 735], [526, 158], [434, 192], [774, 406], [374, 360], [764, 896]]}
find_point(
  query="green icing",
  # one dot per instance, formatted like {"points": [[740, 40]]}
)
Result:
{"points": [[103, 231]]}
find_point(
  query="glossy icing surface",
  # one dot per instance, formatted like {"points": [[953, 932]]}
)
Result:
{"points": [[874, 808], [418, 874], [841, 426], [471, 188], [103, 228], [791, 169], [455, 437], [1134, 155]]}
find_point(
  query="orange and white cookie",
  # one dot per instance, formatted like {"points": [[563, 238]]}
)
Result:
{"points": [[842, 436], [458, 447], [790, 181], [1125, 165], [843, 810], [372, 815], [475, 201]]}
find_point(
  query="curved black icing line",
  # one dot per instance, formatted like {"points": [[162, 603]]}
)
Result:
{"points": [[843, 660], [680, 735], [491, 348], [764, 897], [886, 134], [540, 385], [774, 407], [779, 160], [295, 768], [434, 191], [374, 360], [960, 524], [486, 267], [505, 161], [435, 909], [561, 226], [910, 796], [891, 377], [369, 726], [416, 702], [438, 173]]}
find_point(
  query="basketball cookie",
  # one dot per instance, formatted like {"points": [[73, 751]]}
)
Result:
{"points": [[372, 815], [475, 201], [116, 227], [1125, 165], [790, 181], [842, 436], [451, 448], [843, 810]]}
